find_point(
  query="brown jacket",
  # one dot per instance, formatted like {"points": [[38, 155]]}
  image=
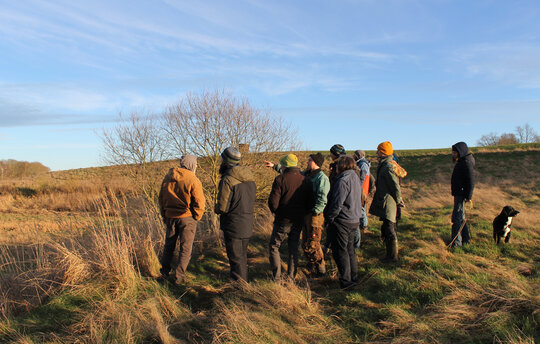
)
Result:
{"points": [[291, 197], [181, 195]]}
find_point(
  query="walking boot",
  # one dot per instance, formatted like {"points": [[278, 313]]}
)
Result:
{"points": [[321, 270]]}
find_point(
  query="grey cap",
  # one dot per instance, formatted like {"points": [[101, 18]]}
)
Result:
{"points": [[189, 162], [358, 154], [231, 156]]}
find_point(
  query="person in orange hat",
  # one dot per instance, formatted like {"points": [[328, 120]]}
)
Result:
{"points": [[387, 198]]}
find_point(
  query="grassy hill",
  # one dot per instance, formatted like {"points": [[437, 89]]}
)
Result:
{"points": [[78, 263]]}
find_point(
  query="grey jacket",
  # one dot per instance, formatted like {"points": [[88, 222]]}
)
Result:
{"points": [[345, 199]]}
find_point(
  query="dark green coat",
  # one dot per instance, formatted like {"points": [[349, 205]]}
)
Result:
{"points": [[235, 202], [387, 193]]}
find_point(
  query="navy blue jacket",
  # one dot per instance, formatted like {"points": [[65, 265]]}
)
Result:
{"points": [[345, 199], [463, 174]]}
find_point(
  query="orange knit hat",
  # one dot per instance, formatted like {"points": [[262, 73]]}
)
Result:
{"points": [[385, 148]]}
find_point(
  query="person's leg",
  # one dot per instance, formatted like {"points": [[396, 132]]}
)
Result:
{"points": [[171, 236], [340, 253], [279, 233], [458, 215], [315, 243], [357, 238], [294, 240], [234, 249], [307, 233], [364, 219], [353, 261], [186, 229], [243, 268], [390, 239]]}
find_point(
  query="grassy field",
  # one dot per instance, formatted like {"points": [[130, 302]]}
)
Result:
{"points": [[79, 256]]}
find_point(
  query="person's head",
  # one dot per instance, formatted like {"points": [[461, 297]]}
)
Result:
{"points": [[189, 162], [289, 160], [229, 157], [345, 163], [315, 161], [459, 150], [359, 154], [455, 155], [336, 151], [384, 149]]}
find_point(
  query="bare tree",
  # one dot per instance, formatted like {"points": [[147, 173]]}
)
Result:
{"points": [[137, 142], [205, 123], [507, 139], [526, 134], [490, 139]]}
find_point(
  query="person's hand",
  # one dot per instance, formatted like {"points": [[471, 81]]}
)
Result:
{"points": [[269, 164], [470, 203], [401, 204]]}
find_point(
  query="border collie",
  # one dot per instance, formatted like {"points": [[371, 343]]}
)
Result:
{"points": [[502, 225]]}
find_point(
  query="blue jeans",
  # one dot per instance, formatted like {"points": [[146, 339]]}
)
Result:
{"points": [[458, 216]]}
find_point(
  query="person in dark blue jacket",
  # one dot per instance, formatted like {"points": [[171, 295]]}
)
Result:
{"points": [[343, 214], [462, 190]]}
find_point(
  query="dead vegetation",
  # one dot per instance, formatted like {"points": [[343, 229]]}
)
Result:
{"points": [[91, 268]]}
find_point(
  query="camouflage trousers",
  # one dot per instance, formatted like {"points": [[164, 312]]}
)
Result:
{"points": [[312, 234]]}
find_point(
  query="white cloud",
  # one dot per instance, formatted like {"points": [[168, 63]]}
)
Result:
{"points": [[517, 64]]}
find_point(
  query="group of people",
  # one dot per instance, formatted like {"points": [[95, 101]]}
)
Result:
{"points": [[306, 204]]}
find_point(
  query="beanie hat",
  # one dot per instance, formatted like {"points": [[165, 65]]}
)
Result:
{"points": [[231, 156], [385, 148], [358, 154], [189, 162], [317, 158], [337, 150], [289, 160]]}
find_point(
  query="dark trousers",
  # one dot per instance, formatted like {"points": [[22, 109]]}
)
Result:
{"points": [[344, 252], [280, 232], [182, 230], [237, 254]]}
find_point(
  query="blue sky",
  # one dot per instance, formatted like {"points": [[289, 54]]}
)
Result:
{"points": [[422, 74]]}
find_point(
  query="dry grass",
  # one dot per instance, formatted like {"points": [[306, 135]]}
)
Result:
{"points": [[86, 251], [269, 312]]}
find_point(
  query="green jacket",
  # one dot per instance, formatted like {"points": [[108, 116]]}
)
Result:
{"points": [[387, 193], [235, 202], [321, 187]]}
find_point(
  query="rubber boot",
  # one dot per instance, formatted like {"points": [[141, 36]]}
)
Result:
{"points": [[388, 256], [394, 251]]}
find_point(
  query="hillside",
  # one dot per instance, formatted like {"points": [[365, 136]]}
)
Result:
{"points": [[79, 257]]}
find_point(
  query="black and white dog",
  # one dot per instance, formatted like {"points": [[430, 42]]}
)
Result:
{"points": [[502, 225]]}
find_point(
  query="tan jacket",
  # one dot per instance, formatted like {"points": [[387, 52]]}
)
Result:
{"points": [[181, 195]]}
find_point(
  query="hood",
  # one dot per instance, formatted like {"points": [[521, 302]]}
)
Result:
{"points": [[179, 173], [347, 173], [461, 148], [242, 173]]}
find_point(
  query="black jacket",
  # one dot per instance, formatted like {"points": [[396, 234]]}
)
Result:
{"points": [[291, 196], [463, 174], [236, 199]]}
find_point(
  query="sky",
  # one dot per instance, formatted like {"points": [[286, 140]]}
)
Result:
{"points": [[421, 74]]}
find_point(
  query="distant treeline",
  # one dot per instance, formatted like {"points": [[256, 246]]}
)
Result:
{"points": [[15, 169], [522, 134]]}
